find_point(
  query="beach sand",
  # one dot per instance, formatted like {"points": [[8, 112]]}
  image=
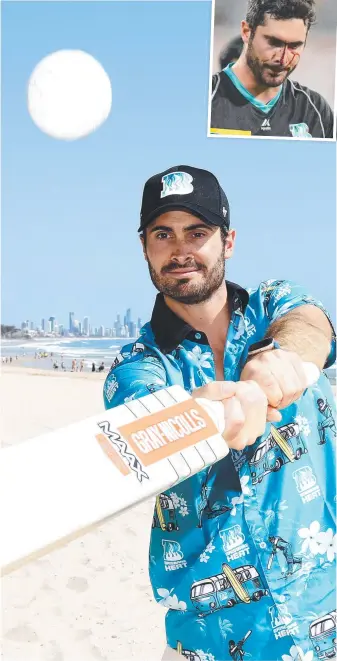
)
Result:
{"points": [[91, 600]]}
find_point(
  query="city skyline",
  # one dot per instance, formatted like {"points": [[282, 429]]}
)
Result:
{"points": [[50, 325]]}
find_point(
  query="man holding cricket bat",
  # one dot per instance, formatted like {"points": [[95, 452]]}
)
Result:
{"points": [[245, 348]]}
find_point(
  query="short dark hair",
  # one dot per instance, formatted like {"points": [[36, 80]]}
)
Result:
{"points": [[231, 52], [223, 230], [280, 10]]}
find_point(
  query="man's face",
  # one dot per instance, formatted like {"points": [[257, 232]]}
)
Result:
{"points": [[274, 51], [186, 257]]}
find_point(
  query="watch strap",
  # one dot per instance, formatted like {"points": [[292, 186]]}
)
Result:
{"points": [[267, 344]]}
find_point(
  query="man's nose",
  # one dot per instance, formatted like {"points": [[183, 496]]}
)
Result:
{"points": [[181, 253], [284, 55]]}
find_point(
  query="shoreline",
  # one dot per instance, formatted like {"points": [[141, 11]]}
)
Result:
{"points": [[68, 355], [37, 371], [46, 364]]}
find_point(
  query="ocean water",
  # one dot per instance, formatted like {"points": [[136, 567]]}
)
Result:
{"points": [[87, 349]]}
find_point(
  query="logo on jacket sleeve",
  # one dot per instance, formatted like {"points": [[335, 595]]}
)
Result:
{"points": [[176, 183], [300, 130]]}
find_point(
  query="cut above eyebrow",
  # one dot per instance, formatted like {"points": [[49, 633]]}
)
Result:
{"points": [[189, 228]]}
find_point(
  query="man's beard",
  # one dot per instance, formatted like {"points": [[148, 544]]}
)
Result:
{"points": [[263, 72], [185, 291]]}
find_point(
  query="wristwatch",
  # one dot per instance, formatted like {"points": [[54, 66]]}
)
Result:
{"points": [[267, 344]]}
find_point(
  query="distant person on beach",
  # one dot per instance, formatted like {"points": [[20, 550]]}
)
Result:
{"points": [[254, 95], [81, 366], [73, 365], [231, 52], [10, 359], [93, 367], [63, 366], [101, 367], [244, 347], [55, 365]]}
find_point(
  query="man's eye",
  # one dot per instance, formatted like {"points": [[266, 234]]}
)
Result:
{"points": [[162, 235], [275, 43], [199, 235]]}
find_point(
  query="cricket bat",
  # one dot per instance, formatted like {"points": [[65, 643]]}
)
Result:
{"points": [[247, 636], [241, 643], [60, 485]]}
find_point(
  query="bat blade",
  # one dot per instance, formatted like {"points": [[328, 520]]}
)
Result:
{"points": [[247, 635], [56, 487]]}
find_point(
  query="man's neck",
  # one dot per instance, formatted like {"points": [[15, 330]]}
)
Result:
{"points": [[246, 77], [210, 317]]}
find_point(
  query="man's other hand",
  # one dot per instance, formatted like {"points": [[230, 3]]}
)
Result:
{"points": [[281, 376]]}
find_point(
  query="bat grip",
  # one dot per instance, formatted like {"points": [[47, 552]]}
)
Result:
{"points": [[312, 373], [215, 410]]}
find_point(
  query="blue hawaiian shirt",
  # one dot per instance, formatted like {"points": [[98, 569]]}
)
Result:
{"points": [[242, 555]]}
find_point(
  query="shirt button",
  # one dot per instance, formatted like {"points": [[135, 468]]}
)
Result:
{"points": [[198, 336]]}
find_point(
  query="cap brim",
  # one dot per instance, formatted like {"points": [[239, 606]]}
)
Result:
{"points": [[207, 216]]}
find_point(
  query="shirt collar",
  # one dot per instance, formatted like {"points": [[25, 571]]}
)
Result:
{"points": [[265, 107], [170, 330]]}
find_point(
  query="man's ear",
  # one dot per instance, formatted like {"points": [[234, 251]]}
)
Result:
{"points": [[230, 242], [141, 236], [245, 32]]}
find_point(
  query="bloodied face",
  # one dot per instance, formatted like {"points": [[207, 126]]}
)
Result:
{"points": [[274, 49]]}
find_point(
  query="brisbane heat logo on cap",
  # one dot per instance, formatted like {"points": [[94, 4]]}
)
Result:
{"points": [[176, 183]]}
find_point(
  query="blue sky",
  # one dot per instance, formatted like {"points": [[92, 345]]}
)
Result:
{"points": [[70, 211]]}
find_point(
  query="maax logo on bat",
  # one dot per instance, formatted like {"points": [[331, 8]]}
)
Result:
{"points": [[158, 436]]}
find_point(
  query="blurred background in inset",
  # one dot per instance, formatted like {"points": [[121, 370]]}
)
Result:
{"points": [[318, 62]]}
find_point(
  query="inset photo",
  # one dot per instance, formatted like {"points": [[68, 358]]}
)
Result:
{"points": [[273, 69]]}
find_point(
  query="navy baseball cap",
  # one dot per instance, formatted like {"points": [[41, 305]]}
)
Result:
{"points": [[187, 189]]}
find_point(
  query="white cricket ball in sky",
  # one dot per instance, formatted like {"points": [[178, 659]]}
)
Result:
{"points": [[69, 94]]}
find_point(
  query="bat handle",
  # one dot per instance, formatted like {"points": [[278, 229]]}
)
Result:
{"points": [[215, 410], [312, 373]]}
